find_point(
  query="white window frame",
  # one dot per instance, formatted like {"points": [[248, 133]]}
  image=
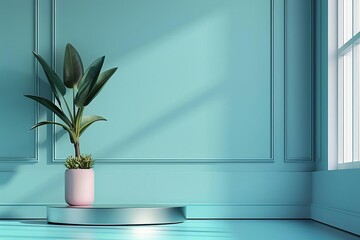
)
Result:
{"points": [[344, 90]]}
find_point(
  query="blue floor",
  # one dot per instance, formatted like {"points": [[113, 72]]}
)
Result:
{"points": [[191, 229]]}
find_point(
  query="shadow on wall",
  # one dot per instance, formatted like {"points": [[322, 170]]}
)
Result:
{"points": [[6, 176]]}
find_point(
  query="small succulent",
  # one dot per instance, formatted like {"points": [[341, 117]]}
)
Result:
{"points": [[85, 161]]}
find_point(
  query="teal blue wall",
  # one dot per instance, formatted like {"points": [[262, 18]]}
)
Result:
{"points": [[213, 104], [335, 193]]}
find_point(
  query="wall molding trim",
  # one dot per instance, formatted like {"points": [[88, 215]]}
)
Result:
{"points": [[319, 138], [103, 160], [34, 159], [318, 151], [346, 220], [261, 211]]}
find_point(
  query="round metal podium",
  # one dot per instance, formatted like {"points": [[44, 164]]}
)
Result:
{"points": [[115, 214]]}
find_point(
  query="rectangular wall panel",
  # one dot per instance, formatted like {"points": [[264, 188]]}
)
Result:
{"points": [[18, 77], [194, 80], [299, 88]]}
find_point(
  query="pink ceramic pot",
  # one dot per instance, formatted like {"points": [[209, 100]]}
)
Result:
{"points": [[79, 187]]}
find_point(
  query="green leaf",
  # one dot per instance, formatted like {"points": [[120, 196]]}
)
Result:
{"points": [[98, 61], [88, 81], [71, 133], [50, 122], [57, 86], [73, 67], [88, 120], [101, 81], [52, 107]]}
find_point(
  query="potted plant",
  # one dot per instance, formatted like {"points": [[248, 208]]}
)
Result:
{"points": [[83, 88]]}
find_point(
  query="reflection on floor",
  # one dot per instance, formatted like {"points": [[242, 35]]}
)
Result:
{"points": [[191, 229]]}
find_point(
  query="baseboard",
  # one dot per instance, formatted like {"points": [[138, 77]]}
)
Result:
{"points": [[17, 211], [265, 211], [348, 221]]}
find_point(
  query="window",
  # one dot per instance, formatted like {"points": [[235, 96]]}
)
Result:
{"points": [[348, 83]]}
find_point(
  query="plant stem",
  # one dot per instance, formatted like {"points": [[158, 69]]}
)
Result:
{"points": [[77, 149], [74, 112]]}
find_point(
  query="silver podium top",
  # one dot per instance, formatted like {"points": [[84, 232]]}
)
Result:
{"points": [[110, 214]]}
